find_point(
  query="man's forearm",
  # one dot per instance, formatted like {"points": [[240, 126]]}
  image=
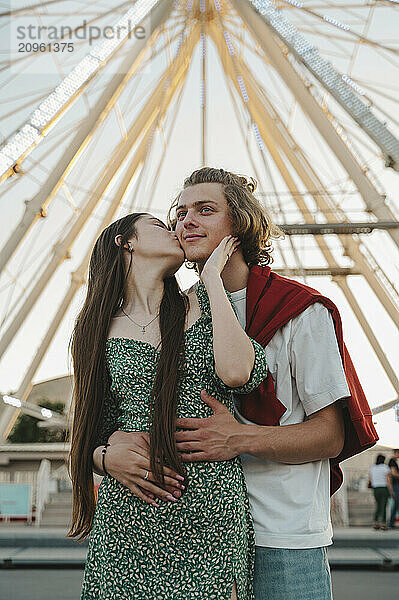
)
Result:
{"points": [[291, 444]]}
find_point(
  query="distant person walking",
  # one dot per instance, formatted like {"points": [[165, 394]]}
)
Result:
{"points": [[381, 482], [394, 468]]}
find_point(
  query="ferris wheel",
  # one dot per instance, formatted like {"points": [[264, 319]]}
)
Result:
{"points": [[98, 99]]}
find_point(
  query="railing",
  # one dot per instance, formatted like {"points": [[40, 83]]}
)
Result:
{"points": [[339, 507], [42, 488]]}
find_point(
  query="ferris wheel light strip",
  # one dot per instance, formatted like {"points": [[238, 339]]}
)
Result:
{"points": [[258, 136], [31, 134], [20, 143], [327, 18], [243, 89], [294, 3], [203, 54], [228, 43], [325, 73], [5, 163], [336, 23], [47, 110], [353, 84]]}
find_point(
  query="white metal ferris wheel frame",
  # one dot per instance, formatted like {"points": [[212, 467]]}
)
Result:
{"points": [[270, 29]]}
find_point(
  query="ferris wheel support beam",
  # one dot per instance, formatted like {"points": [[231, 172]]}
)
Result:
{"points": [[174, 73], [78, 278], [365, 324], [48, 112], [267, 119], [36, 207], [264, 32], [203, 86], [245, 138], [361, 39], [176, 78], [15, 11], [341, 280], [329, 78], [383, 407], [333, 228], [269, 127], [370, 269]]}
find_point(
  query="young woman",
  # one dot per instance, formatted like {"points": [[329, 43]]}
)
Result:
{"points": [[142, 352], [380, 479]]}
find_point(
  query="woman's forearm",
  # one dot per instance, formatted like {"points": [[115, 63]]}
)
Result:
{"points": [[233, 351], [97, 461]]}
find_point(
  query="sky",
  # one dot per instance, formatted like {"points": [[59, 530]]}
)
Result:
{"points": [[177, 152]]}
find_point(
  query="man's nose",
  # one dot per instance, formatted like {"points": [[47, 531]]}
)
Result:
{"points": [[189, 220]]}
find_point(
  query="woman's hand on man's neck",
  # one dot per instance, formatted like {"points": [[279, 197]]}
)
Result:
{"points": [[235, 274]]}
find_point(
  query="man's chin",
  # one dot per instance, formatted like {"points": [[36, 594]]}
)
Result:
{"points": [[195, 256]]}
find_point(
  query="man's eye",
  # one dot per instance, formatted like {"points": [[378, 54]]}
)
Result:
{"points": [[202, 208]]}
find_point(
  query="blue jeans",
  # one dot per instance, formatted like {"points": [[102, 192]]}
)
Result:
{"points": [[395, 505], [285, 574]]}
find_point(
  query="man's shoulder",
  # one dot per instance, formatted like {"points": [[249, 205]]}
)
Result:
{"points": [[292, 285], [316, 315], [295, 293]]}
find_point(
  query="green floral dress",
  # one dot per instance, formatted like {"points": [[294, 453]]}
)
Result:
{"points": [[191, 549]]}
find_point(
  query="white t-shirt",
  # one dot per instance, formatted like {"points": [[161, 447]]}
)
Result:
{"points": [[291, 503], [378, 475]]}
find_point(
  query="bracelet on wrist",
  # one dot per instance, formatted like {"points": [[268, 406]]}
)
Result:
{"points": [[103, 452]]}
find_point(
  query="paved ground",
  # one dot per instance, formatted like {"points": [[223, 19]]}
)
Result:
{"points": [[66, 584], [27, 547], [377, 553], [365, 585]]}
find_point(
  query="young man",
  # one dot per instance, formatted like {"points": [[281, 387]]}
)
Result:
{"points": [[393, 465], [288, 432]]}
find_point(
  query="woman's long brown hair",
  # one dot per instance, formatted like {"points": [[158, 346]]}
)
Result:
{"points": [[106, 293]]}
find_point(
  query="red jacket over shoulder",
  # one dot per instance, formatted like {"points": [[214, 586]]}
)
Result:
{"points": [[272, 301]]}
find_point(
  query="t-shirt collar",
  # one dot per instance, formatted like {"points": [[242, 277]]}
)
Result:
{"points": [[239, 294]]}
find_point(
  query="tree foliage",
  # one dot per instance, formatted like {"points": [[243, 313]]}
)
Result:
{"points": [[26, 430]]}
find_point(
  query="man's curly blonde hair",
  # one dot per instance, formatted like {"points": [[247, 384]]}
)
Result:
{"points": [[250, 221]]}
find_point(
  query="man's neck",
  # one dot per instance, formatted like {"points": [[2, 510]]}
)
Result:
{"points": [[235, 275]]}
